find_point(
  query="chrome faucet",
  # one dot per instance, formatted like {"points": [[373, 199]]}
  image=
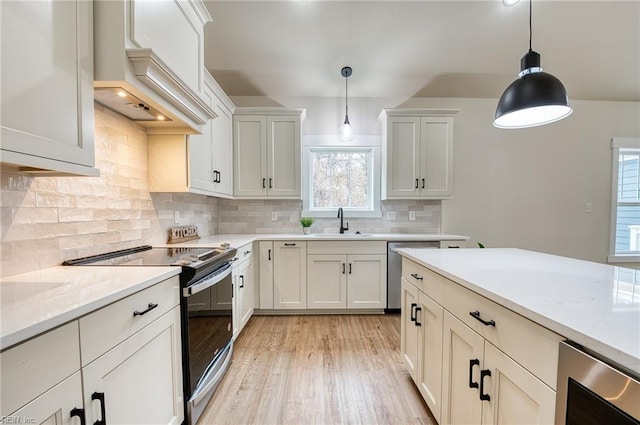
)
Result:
{"points": [[341, 217]]}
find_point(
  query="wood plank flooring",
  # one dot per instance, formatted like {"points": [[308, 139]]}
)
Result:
{"points": [[334, 369]]}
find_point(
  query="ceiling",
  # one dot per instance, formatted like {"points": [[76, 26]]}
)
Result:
{"points": [[421, 48]]}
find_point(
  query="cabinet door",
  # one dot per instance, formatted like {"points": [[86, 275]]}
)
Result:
{"points": [[517, 397], [222, 141], [53, 407], [245, 290], [290, 275], [461, 402], [436, 157], [367, 281], [283, 156], [403, 157], [408, 328], [327, 281], [141, 378], [265, 264], [201, 147], [250, 155], [47, 85], [430, 317]]}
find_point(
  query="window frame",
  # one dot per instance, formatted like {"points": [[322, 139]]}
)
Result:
{"points": [[331, 142], [618, 145]]}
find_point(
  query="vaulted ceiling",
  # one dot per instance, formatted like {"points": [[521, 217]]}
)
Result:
{"points": [[421, 48]]}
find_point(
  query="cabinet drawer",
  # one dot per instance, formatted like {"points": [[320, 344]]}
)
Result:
{"points": [[424, 279], [31, 368], [453, 244], [347, 247], [107, 327], [245, 252], [528, 343]]}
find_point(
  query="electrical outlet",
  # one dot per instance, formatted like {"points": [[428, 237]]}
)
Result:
{"points": [[587, 207], [391, 215], [274, 216], [176, 217], [412, 216]]}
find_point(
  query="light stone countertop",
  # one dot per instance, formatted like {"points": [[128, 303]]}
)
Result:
{"points": [[35, 302], [593, 304], [237, 240]]}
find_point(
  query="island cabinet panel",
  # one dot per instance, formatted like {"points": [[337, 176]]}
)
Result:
{"points": [[497, 367]]}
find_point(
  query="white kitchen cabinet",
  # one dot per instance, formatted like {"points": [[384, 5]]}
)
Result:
{"points": [[32, 388], [196, 163], [243, 284], [47, 94], [417, 153], [289, 275], [265, 271], [421, 344], [137, 378], [267, 153], [155, 51], [347, 275]]}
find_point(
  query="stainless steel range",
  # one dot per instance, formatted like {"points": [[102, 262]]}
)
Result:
{"points": [[206, 311]]}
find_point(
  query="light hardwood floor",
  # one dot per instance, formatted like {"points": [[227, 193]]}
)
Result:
{"points": [[318, 370]]}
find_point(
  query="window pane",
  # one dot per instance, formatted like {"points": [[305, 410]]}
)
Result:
{"points": [[341, 179], [628, 208]]}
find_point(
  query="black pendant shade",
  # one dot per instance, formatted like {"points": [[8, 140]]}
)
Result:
{"points": [[535, 98]]}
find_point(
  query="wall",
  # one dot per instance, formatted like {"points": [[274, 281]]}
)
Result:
{"points": [[513, 188], [46, 220], [254, 216]]}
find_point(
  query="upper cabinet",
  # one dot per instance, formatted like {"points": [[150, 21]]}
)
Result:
{"points": [[200, 163], [150, 58], [417, 153], [47, 96], [266, 151]]}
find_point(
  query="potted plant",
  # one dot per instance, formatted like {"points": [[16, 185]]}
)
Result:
{"points": [[306, 224]]}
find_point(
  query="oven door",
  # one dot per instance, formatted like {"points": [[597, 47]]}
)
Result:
{"points": [[209, 327], [591, 392]]}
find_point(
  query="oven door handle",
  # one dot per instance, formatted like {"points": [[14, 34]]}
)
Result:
{"points": [[207, 282]]}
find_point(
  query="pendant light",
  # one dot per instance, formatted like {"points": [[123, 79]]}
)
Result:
{"points": [[535, 98], [346, 131]]}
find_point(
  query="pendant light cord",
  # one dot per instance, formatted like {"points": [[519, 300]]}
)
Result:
{"points": [[346, 96], [530, 24]]}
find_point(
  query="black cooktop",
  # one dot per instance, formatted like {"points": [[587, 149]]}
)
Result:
{"points": [[149, 256]]}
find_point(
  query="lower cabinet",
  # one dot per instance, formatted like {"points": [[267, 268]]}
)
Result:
{"points": [[346, 275], [289, 275], [139, 380], [461, 356], [243, 284]]}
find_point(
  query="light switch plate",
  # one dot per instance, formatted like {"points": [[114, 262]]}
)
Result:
{"points": [[391, 215], [274, 216], [412, 216]]}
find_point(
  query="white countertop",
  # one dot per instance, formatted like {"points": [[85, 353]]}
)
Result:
{"points": [[237, 240], [593, 304], [35, 302]]}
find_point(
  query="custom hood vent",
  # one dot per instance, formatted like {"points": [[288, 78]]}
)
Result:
{"points": [[123, 102]]}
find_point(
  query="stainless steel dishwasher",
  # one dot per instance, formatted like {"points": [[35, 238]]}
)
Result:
{"points": [[394, 271]]}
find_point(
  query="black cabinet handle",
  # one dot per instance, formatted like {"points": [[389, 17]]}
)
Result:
{"points": [[349, 268], [476, 315], [242, 279], [417, 276], [103, 418], [417, 310], [416, 183], [216, 176], [343, 268], [483, 374], [472, 363], [453, 246], [247, 252], [150, 307], [219, 177], [270, 185], [423, 183], [413, 306], [264, 183], [79, 413], [269, 257], [289, 244]]}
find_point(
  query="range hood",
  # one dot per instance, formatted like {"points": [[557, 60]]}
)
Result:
{"points": [[125, 103]]}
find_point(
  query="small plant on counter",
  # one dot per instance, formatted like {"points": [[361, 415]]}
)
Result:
{"points": [[306, 224]]}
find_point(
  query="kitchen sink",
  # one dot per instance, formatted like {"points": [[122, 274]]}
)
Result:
{"points": [[342, 235]]}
